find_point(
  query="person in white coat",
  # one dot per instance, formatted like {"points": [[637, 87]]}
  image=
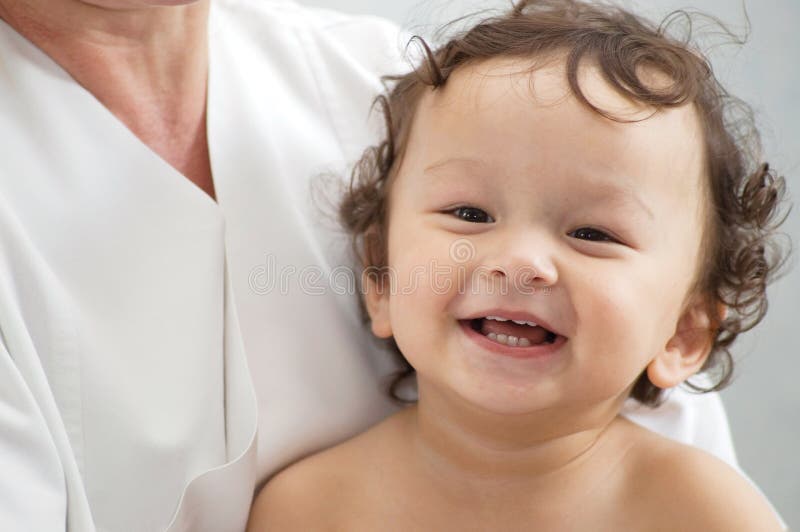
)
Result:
{"points": [[155, 226]]}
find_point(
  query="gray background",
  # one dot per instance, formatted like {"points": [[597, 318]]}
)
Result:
{"points": [[763, 403]]}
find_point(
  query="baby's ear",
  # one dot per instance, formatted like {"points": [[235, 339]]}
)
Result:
{"points": [[376, 282], [688, 349], [376, 298]]}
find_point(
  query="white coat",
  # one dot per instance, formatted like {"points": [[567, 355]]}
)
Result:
{"points": [[128, 298]]}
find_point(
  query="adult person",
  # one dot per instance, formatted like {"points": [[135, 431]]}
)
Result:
{"points": [[155, 226]]}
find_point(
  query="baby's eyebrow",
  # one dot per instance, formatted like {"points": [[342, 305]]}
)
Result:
{"points": [[611, 191], [463, 161], [618, 192]]}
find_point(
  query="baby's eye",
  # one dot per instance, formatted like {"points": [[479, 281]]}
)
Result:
{"points": [[472, 214], [593, 235]]}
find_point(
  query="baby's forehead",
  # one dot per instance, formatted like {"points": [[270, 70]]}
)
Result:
{"points": [[539, 87], [527, 110]]}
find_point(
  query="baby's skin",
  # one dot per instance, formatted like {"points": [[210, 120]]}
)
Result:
{"points": [[594, 228]]}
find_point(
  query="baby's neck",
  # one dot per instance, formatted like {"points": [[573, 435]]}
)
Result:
{"points": [[467, 444]]}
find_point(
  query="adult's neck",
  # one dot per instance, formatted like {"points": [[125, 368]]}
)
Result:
{"points": [[147, 65], [159, 47]]}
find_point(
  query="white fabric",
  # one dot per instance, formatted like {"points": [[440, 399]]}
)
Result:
{"points": [[125, 398]]}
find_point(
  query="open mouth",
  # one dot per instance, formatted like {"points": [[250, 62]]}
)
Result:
{"points": [[511, 332]]}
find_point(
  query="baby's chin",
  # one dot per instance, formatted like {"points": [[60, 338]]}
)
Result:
{"points": [[544, 403]]}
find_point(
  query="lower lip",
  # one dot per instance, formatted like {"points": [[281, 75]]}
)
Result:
{"points": [[532, 351]]}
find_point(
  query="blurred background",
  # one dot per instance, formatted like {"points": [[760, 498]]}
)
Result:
{"points": [[763, 403]]}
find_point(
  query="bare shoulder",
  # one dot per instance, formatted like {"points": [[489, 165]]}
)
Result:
{"points": [[680, 487], [297, 498], [317, 492]]}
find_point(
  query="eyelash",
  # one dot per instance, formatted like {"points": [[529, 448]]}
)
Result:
{"points": [[464, 209], [467, 213], [606, 236]]}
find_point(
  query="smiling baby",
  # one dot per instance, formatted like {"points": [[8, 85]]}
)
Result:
{"points": [[560, 217]]}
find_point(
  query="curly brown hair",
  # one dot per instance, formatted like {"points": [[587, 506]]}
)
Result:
{"points": [[740, 253]]}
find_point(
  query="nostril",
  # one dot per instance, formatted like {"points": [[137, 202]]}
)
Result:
{"points": [[498, 271]]}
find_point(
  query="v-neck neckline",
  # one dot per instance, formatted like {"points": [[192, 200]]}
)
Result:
{"points": [[45, 62]]}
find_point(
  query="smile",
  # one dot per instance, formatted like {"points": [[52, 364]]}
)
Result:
{"points": [[514, 333], [512, 338]]}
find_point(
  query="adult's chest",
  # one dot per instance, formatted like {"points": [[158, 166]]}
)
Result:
{"points": [[116, 309]]}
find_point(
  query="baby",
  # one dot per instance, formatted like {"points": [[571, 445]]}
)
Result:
{"points": [[561, 217]]}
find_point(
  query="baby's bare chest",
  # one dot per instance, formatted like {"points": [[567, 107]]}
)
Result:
{"points": [[391, 507], [389, 493]]}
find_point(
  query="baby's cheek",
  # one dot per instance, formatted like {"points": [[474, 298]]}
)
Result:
{"points": [[415, 313], [616, 327]]}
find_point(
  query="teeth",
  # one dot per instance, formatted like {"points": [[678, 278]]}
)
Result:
{"points": [[512, 341], [518, 322], [506, 339]]}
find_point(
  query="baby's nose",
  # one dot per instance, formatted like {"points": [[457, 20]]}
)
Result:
{"points": [[525, 266]]}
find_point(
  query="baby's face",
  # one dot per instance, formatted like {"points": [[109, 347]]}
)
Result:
{"points": [[524, 204]]}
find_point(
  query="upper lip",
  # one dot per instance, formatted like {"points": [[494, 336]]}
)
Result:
{"points": [[519, 315]]}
